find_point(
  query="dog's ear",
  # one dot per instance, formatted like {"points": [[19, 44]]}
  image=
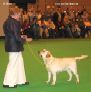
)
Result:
{"points": [[48, 55], [38, 52]]}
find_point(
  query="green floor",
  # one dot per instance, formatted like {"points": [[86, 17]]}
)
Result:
{"points": [[37, 74]]}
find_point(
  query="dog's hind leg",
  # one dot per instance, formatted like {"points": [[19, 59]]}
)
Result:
{"points": [[76, 74], [49, 77], [77, 77], [70, 75], [54, 78]]}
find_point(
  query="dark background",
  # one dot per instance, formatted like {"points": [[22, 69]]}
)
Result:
{"points": [[22, 3]]}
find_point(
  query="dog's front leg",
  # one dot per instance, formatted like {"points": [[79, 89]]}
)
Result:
{"points": [[49, 77], [54, 78]]}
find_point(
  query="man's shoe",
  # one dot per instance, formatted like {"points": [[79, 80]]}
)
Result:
{"points": [[26, 83], [7, 86]]}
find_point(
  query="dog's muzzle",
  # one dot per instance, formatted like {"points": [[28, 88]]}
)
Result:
{"points": [[39, 54]]}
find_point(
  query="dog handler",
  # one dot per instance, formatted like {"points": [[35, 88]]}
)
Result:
{"points": [[15, 72]]}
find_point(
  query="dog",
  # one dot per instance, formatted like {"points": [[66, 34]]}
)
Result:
{"points": [[54, 65]]}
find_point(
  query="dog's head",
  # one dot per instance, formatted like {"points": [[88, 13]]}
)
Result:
{"points": [[45, 54]]}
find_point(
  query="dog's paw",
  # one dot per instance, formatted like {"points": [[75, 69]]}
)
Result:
{"points": [[77, 82], [69, 80], [53, 84], [47, 82]]}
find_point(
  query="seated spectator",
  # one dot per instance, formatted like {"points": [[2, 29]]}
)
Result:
{"points": [[51, 29], [61, 30], [35, 28], [26, 28], [25, 16], [76, 30], [67, 23], [44, 29]]}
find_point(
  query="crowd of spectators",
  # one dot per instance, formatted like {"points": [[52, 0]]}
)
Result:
{"points": [[56, 23]]}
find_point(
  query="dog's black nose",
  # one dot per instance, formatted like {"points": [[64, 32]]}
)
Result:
{"points": [[41, 55]]}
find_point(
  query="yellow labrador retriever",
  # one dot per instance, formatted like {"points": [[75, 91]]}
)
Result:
{"points": [[54, 65]]}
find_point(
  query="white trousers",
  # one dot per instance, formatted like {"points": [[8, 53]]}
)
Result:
{"points": [[15, 73]]}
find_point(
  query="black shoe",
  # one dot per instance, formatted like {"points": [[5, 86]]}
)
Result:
{"points": [[26, 83], [7, 86]]}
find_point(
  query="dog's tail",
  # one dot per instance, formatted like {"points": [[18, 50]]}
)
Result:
{"points": [[81, 57]]}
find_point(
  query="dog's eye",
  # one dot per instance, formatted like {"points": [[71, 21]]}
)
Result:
{"points": [[43, 51]]}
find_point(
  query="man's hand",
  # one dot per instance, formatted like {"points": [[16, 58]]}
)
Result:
{"points": [[24, 37], [28, 39]]}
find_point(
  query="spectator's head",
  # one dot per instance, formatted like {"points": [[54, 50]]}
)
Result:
{"points": [[49, 20]]}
